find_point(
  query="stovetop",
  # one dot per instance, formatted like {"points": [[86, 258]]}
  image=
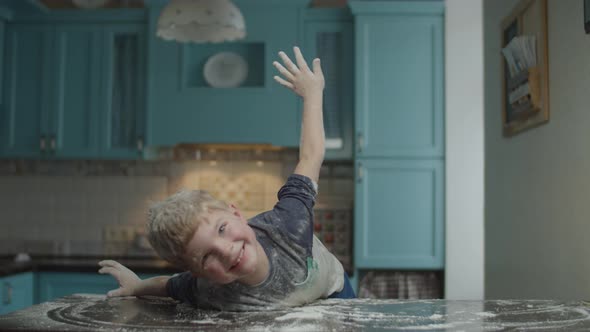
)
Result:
{"points": [[87, 312]]}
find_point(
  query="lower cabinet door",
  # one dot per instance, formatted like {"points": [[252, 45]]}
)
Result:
{"points": [[17, 292], [52, 285], [399, 214]]}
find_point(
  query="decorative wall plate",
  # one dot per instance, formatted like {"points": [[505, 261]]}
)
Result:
{"points": [[225, 70]]}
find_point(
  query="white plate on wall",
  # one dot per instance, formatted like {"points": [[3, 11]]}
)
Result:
{"points": [[225, 70]]}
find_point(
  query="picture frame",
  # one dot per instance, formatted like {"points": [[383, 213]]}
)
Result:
{"points": [[587, 16], [528, 18]]}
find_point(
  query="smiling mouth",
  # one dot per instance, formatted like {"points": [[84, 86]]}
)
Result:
{"points": [[239, 259]]}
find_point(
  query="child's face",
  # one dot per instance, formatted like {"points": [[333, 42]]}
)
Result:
{"points": [[224, 249]]}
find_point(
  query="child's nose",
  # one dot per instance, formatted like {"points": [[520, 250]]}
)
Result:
{"points": [[227, 252], [224, 249]]}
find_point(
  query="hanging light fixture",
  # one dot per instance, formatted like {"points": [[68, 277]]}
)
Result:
{"points": [[201, 21]]}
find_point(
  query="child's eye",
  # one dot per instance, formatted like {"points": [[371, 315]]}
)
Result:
{"points": [[221, 228]]}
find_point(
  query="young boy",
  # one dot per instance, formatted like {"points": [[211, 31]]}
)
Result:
{"points": [[270, 261]]}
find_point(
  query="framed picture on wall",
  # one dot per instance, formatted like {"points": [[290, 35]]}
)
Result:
{"points": [[525, 91]]}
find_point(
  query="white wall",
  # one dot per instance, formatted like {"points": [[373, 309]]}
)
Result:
{"points": [[464, 265], [538, 183]]}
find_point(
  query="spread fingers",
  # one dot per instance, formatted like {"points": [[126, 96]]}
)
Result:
{"points": [[299, 58], [283, 71], [108, 270], [109, 263], [282, 82], [288, 63]]}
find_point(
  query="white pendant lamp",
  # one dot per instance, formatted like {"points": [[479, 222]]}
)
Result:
{"points": [[201, 21]]}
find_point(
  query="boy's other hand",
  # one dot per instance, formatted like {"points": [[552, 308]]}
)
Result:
{"points": [[299, 77], [127, 279]]}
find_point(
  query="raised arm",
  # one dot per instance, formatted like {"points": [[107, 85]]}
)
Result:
{"points": [[309, 84], [129, 282]]}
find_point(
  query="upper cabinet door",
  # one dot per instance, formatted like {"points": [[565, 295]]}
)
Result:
{"points": [[73, 90], [74, 96], [24, 128], [329, 36], [2, 48], [122, 105], [399, 92]]}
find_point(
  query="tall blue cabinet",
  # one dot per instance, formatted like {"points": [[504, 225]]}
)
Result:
{"points": [[399, 134]]}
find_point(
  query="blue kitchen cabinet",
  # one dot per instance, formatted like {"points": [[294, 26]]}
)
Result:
{"points": [[399, 215], [17, 292], [3, 18], [1, 62], [400, 84], [183, 108], [122, 91], [51, 285], [329, 36], [49, 105], [72, 91], [399, 129], [25, 108], [73, 130]]}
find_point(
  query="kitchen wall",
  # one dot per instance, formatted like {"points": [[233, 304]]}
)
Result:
{"points": [[98, 207], [537, 184], [464, 157]]}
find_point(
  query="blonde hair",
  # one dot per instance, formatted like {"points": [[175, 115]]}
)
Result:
{"points": [[172, 222]]}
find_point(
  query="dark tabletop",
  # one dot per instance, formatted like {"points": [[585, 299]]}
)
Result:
{"points": [[87, 312], [82, 264]]}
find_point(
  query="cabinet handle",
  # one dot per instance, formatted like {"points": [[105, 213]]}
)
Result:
{"points": [[359, 141], [359, 177], [7, 293], [52, 143], [140, 144], [42, 143]]}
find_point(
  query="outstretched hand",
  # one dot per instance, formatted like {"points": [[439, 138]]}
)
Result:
{"points": [[127, 279], [299, 77]]}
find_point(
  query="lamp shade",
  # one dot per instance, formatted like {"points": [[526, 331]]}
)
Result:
{"points": [[201, 21]]}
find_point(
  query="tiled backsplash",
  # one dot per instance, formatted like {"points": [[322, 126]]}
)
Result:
{"points": [[98, 207]]}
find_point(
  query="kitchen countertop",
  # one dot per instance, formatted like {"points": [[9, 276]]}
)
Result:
{"points": [[87, 312], [82, 264]]}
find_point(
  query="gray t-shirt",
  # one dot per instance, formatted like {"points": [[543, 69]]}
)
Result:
{"points": [[301, 268]]}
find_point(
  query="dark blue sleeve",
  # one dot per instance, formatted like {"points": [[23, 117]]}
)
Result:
{"points": [[183, 287], [295, 209]]}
